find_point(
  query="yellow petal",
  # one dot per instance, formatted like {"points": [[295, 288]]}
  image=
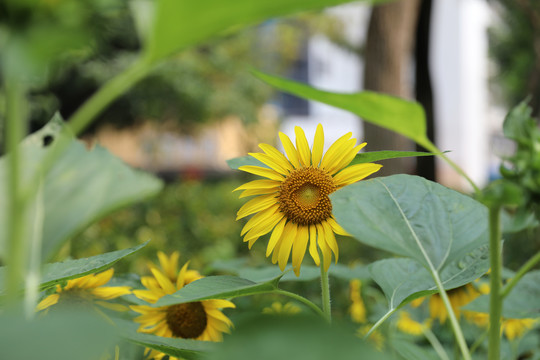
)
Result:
{"points": [[355, 173], [164, 282], [257, 204], [313, 245], [252, 192], [258, 218], [335, 158], [318, 146], [331, 153], [259, 184], [325, 250], [180, 280], [302, 146], [289, 234], [347, 158], [269, 161], [276, 235], [169, 264], [111, 292], [299, 248], [148, 296], [291, 152], [112, 306], [264, 172], [336, 227], [331, 239], [264, 227], [277, 156], [47, 302], [102, 278]]}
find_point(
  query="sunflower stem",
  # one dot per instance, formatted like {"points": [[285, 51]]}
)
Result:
{"points": [[303, 300], [378, 323], [452, 316], [522, 271], [435, 343], [495, 303], [325, 290]]}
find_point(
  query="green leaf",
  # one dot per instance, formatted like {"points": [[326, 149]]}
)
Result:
{"points": [[361, 158], [412, 217], [61, 335], [181, 23], [404, 117], [81, 187], [403, 280], [409, 350], [521, 303], [517, 123], [298, 338], [55, 273], [218, 287], [181, 348]]}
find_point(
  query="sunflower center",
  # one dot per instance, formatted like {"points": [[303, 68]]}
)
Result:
{"points": [[187, 320], [303, 196]]}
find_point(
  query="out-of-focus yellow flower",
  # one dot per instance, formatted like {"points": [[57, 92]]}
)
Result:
{"points": [[511, 328], [200, 320], [407, 325], [87, 290], [292, 201], [357, 308], [282, 309]]}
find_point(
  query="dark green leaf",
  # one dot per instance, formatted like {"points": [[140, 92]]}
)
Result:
{"points": [[218, 287], [517, 123], [404, 117]]}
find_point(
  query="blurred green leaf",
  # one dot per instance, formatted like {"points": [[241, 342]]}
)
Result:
{"points": [[298, 338], [409, 350], [517, 123], [55, 273], [60, 335], [179, 23], [218, 287], [81, 187], [521, 303], [502, 192], [403, 280], [404, 117], [182, 348], [361, 158], [412, 217]]}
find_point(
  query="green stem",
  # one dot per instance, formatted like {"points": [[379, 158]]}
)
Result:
{"points": [[432, 148], [378, 323], [16, 246], [435, 343], [325, 290], [302, 299], [452, 316], [495, 303], [522, 271]]}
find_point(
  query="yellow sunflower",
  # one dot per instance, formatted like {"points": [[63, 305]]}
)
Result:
{"points": [[410, 326], [292, 201], [201, 320], [87, 290], [511, 328]]}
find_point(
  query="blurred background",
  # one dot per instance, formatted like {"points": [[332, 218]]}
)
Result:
{"points": [[466, 61]]}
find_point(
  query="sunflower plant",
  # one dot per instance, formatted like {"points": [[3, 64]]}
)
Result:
{"points": [[304, 199]]}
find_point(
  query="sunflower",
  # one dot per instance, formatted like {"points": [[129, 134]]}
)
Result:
{"points": [[292, 201], [511, 328], [87, 290], [408, 325], [200, 320]]}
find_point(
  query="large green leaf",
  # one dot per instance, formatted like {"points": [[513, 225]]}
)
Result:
{"points": [[61, 335], [182, 23], [521, 303], [412, 217], [218, 287], [403, 280], [404, 117], [82, 186], [309, 273], [55, 273]]}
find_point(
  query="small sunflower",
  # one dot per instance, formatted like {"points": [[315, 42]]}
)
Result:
{"points": [[201, 320], [511, 328], [410, 326], [292, 201], [278, 308], [87, 290]]}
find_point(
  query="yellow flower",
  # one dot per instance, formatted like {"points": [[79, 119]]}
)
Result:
{"points": [[357, 308], [87, 290], [512, 328], [458, 297], [406, 324], [201, 320], [292, 201], [281, 309]]}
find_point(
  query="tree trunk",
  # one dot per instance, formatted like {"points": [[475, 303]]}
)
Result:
{"points": [[388, 69]]}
